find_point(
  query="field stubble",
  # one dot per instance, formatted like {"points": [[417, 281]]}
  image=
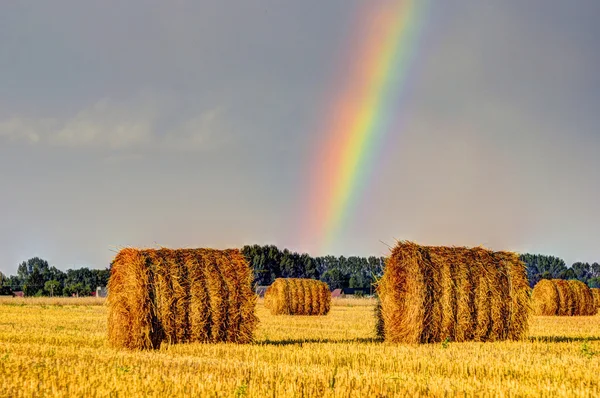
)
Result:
{"points": [[59, 348]]}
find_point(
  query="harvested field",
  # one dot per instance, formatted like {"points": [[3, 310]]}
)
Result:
{"points": [[65, 353]]}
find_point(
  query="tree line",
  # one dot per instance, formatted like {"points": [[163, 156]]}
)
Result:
{"points": [[549, 267], [35, 277], [269, 262]]}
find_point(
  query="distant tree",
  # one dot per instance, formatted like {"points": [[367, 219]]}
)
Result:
{"points": [[583, 271], [335, 279], [543, 267], [5, 289], [52, 288]]}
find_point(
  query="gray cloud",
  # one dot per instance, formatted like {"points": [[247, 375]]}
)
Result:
{"points": [[120, 125], [195, 124]]}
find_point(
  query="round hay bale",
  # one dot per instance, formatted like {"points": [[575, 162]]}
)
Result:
{"points": [[295, 296], [596, 294], [545, 298], [584, 301], [566, 297], [179, 296], [432, 294]]}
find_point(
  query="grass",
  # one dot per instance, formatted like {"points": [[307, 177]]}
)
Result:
{"points": [[59, 348]]}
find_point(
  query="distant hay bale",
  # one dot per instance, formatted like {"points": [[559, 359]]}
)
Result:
{"points": [[584, 300], [566, 297], [545, 298], [430, 294], [552, 297], [295, 296], [179, 296], [596, 294]]}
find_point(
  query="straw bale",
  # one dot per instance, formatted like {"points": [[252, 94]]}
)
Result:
{"points": [[179, 296], [545, 298], [566, 297], [295, 296], [519, 293], [584, 300], [560, 297], [596, 294], [431, 294]]}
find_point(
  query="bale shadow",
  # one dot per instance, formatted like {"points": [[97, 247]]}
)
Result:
{"points": [[300, 342], [562, 339]]}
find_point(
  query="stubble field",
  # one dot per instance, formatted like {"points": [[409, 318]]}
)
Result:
{"points": [[58, 348]]}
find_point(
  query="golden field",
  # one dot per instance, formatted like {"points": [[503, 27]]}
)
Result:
{"points": [[57, 347]]}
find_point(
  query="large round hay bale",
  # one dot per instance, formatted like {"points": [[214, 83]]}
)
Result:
{"points": [[596, 294], [584, 300], [545, 298], [566, 297], [178, 296], [431, 294], [295, 296]]}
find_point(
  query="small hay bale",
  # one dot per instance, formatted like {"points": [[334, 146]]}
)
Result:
{"points": [[584, 300], [432, 294], [545, 298], [180, 296], [295, 296]]}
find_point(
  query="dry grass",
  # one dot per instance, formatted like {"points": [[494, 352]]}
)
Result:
{"points": [[59, 351], [8, 300], [295, 296], [433, 294], [178, 296]]}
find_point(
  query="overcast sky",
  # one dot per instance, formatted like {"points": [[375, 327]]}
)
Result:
{"points": [[194, 123]]}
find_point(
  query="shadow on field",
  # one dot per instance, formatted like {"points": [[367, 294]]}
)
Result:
{"points": [[562, 339], [299, 342]]}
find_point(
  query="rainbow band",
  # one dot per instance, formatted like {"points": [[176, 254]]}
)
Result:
{"points": [[362, 114]]}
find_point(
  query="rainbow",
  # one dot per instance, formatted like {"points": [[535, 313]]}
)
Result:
{"points": [[362, 112]]}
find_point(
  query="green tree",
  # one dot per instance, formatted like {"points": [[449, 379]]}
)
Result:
{"points": [[52, 288]]}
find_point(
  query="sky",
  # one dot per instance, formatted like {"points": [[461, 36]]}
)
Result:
{"points": [[197, 123]]}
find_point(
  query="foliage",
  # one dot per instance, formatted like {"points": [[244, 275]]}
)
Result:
{"points": [[270, 263], [35, 277]]}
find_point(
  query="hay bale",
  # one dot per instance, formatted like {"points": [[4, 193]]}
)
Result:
{"points": [[566, 297], [596, 294], [545, 298], [295, 296], [560, 297], [430, 294], [179, 296], [584, 300]]}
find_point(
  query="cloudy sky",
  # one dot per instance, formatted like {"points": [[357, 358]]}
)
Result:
{"points": [[195, 123]]}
